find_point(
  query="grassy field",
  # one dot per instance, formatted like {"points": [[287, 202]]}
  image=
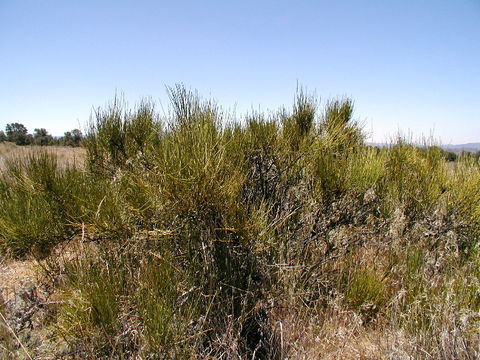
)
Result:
{"points": [[281, 236], [67, 156]]}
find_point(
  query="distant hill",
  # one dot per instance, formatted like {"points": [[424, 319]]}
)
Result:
{"points": [[456, 148], [471, 147]]}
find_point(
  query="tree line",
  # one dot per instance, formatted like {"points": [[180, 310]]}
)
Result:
{"points": [[17, 133]]}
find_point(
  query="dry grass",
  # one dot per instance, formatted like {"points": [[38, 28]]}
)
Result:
{"points": [[66, 155], [341, 335]]}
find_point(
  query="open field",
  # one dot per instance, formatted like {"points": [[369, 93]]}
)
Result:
{"points": [[66, 155], [278, 237]]}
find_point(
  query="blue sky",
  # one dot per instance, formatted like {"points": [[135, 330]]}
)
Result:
{"points": [[408, 65]]}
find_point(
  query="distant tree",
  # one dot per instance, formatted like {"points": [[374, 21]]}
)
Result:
{"points": [[18, 134], [67, 139], [77, 137], [40, 132], [72, 138], [3, 137], [450, 156], [42, 138]]}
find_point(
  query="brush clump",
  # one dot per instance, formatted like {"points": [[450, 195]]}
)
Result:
{"points": [[194, 235]]}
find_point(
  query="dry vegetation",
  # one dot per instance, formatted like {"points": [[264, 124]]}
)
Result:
{"points": [[66, 156], [195, 236]]}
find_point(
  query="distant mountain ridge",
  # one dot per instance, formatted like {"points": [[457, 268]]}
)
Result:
{"points": [[470, 147]]}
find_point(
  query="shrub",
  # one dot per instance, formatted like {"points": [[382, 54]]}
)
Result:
{"points": [[39, 203], [196, 236]]}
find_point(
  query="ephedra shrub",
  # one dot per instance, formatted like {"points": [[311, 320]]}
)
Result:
{"points": [[200, 235]]}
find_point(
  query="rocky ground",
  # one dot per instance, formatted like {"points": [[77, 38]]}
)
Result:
{"points": [[27, 307]]}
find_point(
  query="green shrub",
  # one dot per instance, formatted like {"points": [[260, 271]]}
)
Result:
{"points": [[39, 203], [117, 135], [366, 291], [415, 178], [90, 311], [198, 226]]}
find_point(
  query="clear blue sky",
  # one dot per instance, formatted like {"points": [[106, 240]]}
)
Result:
{"points": [[409, 65]]}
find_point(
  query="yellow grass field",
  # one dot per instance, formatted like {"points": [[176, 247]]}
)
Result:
{"points": [[66, 155]]}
